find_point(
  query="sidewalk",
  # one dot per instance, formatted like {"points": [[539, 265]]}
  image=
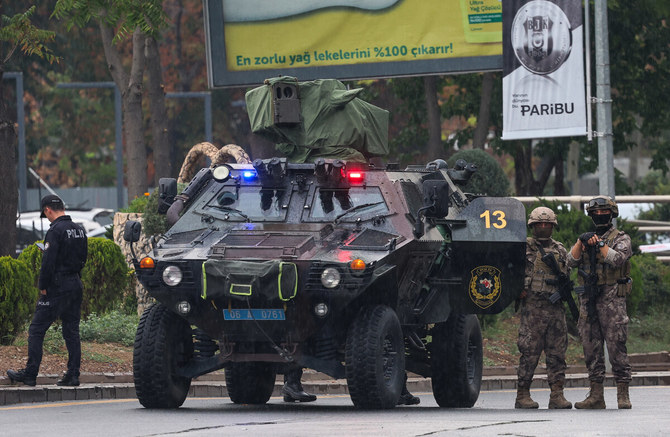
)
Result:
{"points": [[648, 369]]}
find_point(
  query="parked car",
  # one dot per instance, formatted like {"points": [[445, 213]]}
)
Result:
{"points": [[30, 227]]}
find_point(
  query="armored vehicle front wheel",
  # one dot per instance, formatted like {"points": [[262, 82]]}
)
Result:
{"points": [[457, 361], [250, 383], [375, 358], [163, 343]]}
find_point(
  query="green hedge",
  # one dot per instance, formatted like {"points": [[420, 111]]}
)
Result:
{"points": [[105, 277], [17, 297]]}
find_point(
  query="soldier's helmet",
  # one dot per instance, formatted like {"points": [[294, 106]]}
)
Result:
{"points": [[601, 203], [542, 214]]}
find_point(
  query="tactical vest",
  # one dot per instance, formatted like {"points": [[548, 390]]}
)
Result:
{"points": [[607, 275], [541, 272]]}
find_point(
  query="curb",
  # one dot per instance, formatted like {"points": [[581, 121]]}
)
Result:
{"points": [[120, 386]]}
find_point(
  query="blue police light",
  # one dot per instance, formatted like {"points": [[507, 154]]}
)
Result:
{"points": [[249, 174]]}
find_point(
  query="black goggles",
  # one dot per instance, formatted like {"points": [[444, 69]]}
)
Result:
{"points": [[598, 201]]}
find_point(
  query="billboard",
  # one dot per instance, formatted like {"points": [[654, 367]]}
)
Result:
{"points": [[251, 40], [543, 69]]}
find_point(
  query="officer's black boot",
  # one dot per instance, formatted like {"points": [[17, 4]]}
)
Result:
{"points": [[407, 398], [68, 380], [292, 390], [20, 376]]}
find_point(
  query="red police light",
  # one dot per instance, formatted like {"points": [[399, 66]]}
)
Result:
{"points": [[356, 176]]}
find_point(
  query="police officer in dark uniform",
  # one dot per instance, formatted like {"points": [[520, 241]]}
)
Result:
{"points": [[65, 252]]}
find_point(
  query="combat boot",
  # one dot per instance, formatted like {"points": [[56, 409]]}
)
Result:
{"points": [[293, 391], [21, 376], [556, 398], [595, 400], [622, 397], [523, 399]]}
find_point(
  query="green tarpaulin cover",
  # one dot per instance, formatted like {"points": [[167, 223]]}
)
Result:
{"points": [[335, 123]]}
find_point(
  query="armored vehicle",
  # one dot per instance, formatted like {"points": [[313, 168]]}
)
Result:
{"points": [[358, 272]]}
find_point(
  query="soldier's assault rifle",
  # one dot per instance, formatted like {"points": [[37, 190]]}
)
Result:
{"points": [[563, 282], [590, 280]]}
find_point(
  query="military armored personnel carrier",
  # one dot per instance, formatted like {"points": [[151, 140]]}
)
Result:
{"points": [[357, 272]]}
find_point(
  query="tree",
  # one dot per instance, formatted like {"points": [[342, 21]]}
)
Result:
{"points": [[116, 21], [17, 34]]}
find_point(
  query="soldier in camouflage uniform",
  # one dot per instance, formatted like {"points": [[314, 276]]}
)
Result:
{"points": [[610, 323], [543, 326]]}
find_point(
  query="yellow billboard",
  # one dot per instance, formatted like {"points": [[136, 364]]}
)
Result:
{"points": [[249, 40]]}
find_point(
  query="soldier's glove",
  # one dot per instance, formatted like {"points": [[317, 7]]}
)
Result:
{"points": [[585, 237]]}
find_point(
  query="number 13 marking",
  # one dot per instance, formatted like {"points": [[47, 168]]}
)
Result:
{"points": [[500, 221]]}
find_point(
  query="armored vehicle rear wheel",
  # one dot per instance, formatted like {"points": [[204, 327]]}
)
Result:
{"points": [[375, 358], [250, 383], [163, 343], [457, 361]]}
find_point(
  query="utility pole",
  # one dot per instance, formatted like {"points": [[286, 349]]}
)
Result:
{"points": [[603, 101]]}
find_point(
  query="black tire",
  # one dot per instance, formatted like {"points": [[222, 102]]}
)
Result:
{"points": [[251, 382], [457, 361], [163, 343], [375, 358]]}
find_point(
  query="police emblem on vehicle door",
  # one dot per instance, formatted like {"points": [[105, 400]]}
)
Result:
{"points": [[541, 36], [485, 287]]}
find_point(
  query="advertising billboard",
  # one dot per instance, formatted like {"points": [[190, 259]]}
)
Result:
{"points": [[251, 40], [543, 69]]}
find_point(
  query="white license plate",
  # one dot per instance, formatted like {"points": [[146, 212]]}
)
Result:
{"points": [[254, 314]]}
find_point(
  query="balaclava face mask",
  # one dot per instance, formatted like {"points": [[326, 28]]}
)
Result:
{"points": [[603, 222], [542, 233]]}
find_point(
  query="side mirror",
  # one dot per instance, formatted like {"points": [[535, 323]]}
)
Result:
{"points": [[131, 233], [436, 198], [167, 189]]}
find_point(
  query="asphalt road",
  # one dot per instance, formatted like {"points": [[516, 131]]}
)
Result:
{"points": [[335, 415]]}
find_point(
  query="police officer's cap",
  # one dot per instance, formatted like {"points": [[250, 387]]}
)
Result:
{"points": [[52, 201]]}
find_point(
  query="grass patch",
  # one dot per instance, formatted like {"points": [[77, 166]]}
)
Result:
{"points": [[111, 327], [649, 333]]}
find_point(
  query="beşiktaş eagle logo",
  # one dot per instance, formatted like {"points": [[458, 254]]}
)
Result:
{"points": [[541, 36], [485, 286]]}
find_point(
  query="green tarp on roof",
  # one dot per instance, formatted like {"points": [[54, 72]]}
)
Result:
{"points": [[335, 123]]}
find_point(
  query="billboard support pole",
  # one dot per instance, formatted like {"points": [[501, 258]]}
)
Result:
{"points": [[603, 101]]}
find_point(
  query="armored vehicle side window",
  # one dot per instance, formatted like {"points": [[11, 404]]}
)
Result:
{"points": [[347, 204], [248, 202]]}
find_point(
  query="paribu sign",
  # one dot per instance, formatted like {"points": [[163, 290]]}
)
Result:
{"points": [[251, 40]]}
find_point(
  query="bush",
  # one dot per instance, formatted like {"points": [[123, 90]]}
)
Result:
{"points": [[32, 257], [105, 277], [489, 179], [651, 287], [153, 223], [17, 297]]}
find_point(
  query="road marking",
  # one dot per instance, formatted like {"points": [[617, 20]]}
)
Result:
{"points": [[57, 404]]}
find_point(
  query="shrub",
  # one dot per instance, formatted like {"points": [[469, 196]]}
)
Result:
{"points": [[32, 257], [105, 277], [651, 287], [17, 297], [489, 179], [153, 223]]}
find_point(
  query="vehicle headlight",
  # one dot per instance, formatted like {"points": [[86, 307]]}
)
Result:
{"points": [[172, 275], [330, 277]]}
